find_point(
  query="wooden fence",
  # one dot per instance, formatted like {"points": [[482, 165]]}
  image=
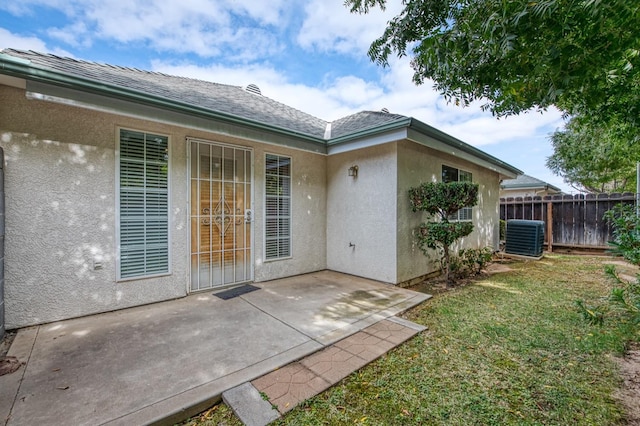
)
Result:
{"points": [[572, 221]]}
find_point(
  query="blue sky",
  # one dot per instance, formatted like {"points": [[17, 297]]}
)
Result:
{"points": [[308, 54]]}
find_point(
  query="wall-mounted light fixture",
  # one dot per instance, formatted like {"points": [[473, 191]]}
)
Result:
{"points": [[353, 171]]}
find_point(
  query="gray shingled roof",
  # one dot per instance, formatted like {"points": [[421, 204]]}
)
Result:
{"points": [[233, 100], [526, 181], [220, 101], [362, 121]]}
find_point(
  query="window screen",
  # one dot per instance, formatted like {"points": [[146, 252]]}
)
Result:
{"points": [[144, 204], [277, 207], [451, 174]]}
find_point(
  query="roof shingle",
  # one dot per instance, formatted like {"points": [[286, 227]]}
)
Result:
{"points": [[232, 100], [362, 121]]}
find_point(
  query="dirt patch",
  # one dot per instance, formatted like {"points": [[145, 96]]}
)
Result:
{"points": [[497, 268], [621, 263], [629, 394], [438, 284], [6, 341]]}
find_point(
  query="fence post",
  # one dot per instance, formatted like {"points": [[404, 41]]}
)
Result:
{"points": [[549, 226]]}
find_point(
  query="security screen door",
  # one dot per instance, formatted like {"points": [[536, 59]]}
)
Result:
{"points": [[220, 215]]}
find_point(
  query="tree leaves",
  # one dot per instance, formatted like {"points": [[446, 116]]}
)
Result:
{"points": [[518, 55], [596, 156], [443, 200], [582, 56]]}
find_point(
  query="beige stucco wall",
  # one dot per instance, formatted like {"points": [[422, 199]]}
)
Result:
{"points": [[418, 164], [60, 211], [309, 212], [362, 211]]}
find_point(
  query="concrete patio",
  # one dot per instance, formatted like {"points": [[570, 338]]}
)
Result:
{"points": [[162, 363]]}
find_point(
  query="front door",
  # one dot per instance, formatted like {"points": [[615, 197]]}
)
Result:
{"points": [[221, 203]]}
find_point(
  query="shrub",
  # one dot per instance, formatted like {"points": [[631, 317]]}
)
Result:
{"points": [[624, 301], [475, 260], [626, 232], [442, 200], [503, 230]]}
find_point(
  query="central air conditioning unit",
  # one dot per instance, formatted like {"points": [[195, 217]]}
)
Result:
{"points": [[525, 237]]}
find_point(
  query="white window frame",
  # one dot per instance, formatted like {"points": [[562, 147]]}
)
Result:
{"points": [[465, 214], [119, 277], [290, 217]]}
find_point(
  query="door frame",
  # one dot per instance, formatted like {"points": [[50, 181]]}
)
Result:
{"points": [[251, 260]]}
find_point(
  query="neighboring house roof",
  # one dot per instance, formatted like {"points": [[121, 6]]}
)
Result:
{"points": [[528, 182], [231, 104]]}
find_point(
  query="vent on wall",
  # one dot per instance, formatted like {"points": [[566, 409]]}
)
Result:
{"points": [[525, 237], [252, 88]]}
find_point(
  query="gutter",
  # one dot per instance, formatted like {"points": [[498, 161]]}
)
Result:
{"points": [[463, 146], [23, 68], [393, 125], [425, 129], [534, 188]]}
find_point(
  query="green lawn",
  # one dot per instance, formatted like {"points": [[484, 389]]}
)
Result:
{"points": [[508, 349]]}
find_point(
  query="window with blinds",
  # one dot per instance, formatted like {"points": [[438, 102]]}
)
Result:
{"points": [[451, 174], [143, 204], [277, 207]]}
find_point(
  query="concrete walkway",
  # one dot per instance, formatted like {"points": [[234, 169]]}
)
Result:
{"points": [[292, 384], [164, 362]]}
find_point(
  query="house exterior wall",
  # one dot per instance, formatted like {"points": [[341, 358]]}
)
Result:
{"points": [[309, 213], [61, 211], [362, 211], [418, 164]]}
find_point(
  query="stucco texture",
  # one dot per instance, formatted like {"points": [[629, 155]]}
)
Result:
{"points": [[418, 164], [61, 218], [60, 183], [309, 213], [362, 211]]}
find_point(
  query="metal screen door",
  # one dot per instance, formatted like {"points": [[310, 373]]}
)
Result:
{"points": [[220, 215]]}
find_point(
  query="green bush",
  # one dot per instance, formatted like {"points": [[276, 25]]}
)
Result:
{"points": [[475, 260], [623, 303], [626, 232], [503, 230], [442, 200]]}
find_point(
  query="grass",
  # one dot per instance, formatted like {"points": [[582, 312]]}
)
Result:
{"points": [[508, 349]]}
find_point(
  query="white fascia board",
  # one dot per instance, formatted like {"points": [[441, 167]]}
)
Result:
{"points": [[8, 80], [433, 143], [367, 141]]}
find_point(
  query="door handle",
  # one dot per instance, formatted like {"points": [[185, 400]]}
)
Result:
{"points": [[248, 216]]}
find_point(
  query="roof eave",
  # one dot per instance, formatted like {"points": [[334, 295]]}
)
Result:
{"points": [[430, 131], [528, 186], [394, 125], [22, 68]]}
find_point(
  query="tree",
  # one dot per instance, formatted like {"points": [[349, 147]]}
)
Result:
{"points": [[443, 200], [596, 157], [579, 55]]}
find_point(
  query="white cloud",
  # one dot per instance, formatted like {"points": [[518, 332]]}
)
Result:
{"points": [[242, 28], [329, 27], [272, 83], [73, 35], [337, 97], [247, 37], [20, 42]]}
